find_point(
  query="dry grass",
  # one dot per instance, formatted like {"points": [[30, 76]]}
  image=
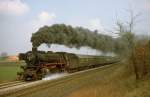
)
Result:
{"points": [[110, 86], [119, 83], [107, 90]]}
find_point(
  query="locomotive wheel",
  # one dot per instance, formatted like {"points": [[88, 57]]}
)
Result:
{"points": [[39, 76], [28, 78]]}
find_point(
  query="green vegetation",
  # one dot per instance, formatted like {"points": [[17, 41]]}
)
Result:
{"points": [[3, 58], [8, 70]]}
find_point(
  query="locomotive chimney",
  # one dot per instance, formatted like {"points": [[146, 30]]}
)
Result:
{"points": [[34, 49]]}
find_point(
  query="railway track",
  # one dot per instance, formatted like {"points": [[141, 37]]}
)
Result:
{"points": [[13, 87], [8, 83], [11, 84], [45, 84], [25, 88]]}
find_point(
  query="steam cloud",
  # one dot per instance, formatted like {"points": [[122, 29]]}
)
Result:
{"points": [[71, 37]]}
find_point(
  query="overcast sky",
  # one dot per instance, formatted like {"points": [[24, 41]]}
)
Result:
{"points": [[20, 18]]}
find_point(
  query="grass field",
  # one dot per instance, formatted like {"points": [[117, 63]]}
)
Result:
{"points": [[8, 70]]}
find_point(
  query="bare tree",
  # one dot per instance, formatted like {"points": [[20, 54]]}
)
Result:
{"points": [[126, 32]]}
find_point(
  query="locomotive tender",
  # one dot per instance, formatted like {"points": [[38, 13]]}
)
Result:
{"points": [[40, 63]]}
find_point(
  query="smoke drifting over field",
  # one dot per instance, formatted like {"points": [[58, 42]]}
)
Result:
{"points": [[71, 37]]}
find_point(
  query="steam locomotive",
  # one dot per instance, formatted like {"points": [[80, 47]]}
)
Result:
{"points": [[41, 63]]}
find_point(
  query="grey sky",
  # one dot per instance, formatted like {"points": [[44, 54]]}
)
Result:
{"points": [[20, 18]]}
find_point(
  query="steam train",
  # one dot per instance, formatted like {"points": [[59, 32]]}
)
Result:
{"points": [[41, 63]]}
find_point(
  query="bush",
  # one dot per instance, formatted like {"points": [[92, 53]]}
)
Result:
{"points": [[141, 59]]}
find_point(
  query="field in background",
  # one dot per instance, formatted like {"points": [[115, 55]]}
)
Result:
{"points": [[8, 70]]}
